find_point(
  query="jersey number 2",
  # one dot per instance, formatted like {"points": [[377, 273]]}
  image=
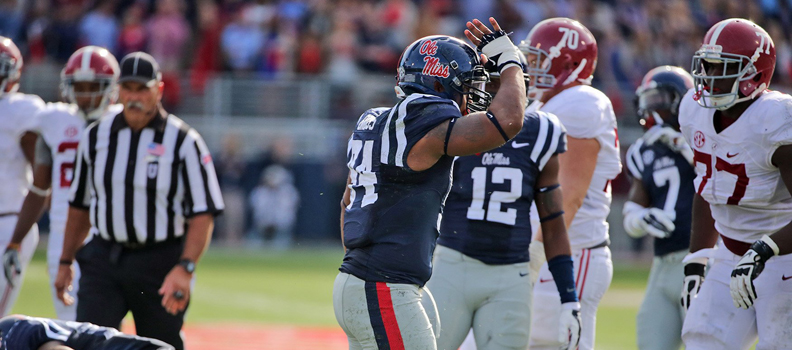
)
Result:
{"points": [[67, 168], [494, 212]]}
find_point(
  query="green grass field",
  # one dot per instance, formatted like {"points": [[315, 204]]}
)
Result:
{"points": [[295, 288]]}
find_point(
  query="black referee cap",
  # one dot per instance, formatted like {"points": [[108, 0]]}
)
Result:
{"points": [[140, 67]]}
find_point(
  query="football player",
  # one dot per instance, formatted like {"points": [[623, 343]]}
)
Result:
{"points": [[562, 57], [17, 148], [659, 203], [399, 163], [19, 332], [480, 276], [88, 84], [741, 135]]}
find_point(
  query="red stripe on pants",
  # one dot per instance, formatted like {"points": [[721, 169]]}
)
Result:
{"points": [[585, 273], [389, 317]]}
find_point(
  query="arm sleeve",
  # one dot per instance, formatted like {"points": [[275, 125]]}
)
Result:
{"points": [[79, 195], [202, 190], [634, 160], [43, 153], [416, 116]]}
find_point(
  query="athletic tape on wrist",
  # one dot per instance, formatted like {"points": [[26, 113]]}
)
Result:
{"points": [[39, 191]]}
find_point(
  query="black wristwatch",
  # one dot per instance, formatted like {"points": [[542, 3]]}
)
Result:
{"points": [[188, 265]]}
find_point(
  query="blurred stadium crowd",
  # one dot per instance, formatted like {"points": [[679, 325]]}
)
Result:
{"points": [[342, 42]]}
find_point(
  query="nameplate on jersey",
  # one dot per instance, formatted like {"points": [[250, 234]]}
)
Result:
{"points": [[494, 159]]}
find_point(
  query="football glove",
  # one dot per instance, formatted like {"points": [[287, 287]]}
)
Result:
{"points": [[639, 221], [748, 268], [569, 326], [11, 265], [500, 50], [694, 277]]}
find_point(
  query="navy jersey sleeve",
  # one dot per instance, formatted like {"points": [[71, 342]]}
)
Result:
{"points": [[30, 332], [634, 159], [549, 135], [409, 121]]}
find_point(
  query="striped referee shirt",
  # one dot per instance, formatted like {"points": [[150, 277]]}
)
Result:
{"points": [[141, 187]]}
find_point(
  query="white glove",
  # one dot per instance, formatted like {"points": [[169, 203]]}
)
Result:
{"points": [[671, 138], [11, 265], [748, 268], [694, 277], [500, 50], [537, 255], [639, 221], [569, 326]]}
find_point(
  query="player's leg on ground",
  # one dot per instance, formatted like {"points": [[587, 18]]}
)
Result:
{"points": [[449, 286], [659, 321], [593, 271], [141, 290], [774, 304], [102, 303], [54, 248], [713, 322], [503, 320], [382, 315], [26, 250]]}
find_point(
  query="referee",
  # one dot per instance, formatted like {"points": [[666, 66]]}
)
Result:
{"points": [[145, 189]]}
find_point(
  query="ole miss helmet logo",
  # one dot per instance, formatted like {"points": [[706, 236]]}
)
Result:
{"points": [[699, 139], [433, 67]]}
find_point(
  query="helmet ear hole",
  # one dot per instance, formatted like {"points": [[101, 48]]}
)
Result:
{"points": [[757, 77]]}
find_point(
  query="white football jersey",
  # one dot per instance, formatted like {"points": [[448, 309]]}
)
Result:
{"points": [[587, 113], [734, 172], [61, 126], [17, 115]]}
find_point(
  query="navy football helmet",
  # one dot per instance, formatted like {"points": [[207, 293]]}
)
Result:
{"points": [[452, 63], [662, 88]]}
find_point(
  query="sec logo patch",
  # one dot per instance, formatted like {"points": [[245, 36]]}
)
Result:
{"points": [[699, 139]]}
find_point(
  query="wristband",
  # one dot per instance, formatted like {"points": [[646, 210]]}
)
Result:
{"points": [[561, 267], [65, 262], [39, 191]]}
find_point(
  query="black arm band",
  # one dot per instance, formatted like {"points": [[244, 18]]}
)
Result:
{"points": [[451, 124], [495, 122], [551, 216], [549, 188]]}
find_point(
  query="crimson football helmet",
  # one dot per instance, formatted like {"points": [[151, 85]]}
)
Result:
{"points": [[91, 64], [560, 51], [10, 66], [739, 43]]}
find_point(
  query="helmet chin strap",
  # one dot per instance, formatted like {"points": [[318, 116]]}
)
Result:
{"points": [[658, 119]]}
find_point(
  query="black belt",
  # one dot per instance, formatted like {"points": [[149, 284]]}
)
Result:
{"points": [[603, 244], [138, 246], [8, 214]]}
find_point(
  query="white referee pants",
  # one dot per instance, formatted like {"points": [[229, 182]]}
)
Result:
{"points": [[8, 293]]}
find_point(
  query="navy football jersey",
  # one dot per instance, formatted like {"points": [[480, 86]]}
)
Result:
{"points": [[487, 213], [390, 224], [29, 333], [667, 178]]}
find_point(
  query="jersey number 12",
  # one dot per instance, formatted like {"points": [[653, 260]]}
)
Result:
{"points": [[494, 211]]}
